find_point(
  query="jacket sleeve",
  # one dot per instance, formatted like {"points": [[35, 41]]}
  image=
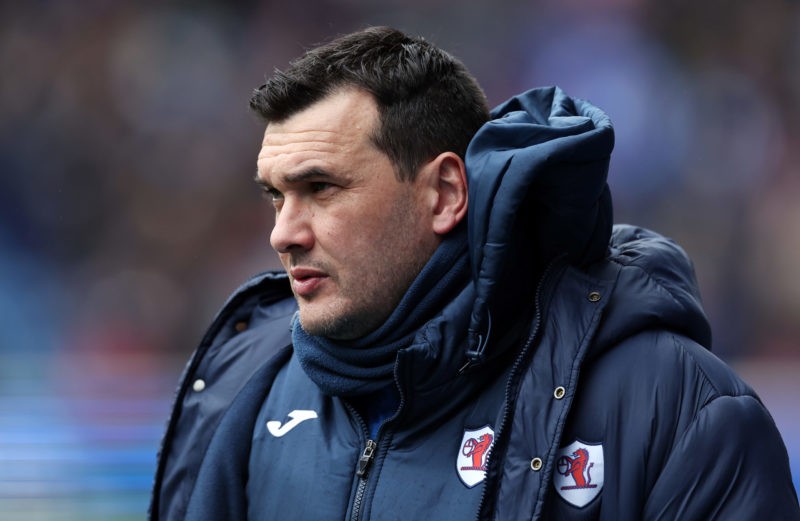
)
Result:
{"points": [[729, 464]]}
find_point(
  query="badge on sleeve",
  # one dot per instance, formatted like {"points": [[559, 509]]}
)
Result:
{"points": [[472, 454], [579, 472]]}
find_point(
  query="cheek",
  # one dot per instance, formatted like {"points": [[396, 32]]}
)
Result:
{"points": [[348, 229], [368, 227], [340, 246]]}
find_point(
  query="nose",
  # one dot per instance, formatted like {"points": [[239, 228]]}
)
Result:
{"points": [[292, 231]]}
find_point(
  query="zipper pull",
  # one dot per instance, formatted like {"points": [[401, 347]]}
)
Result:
{"points": [[366, 458]]}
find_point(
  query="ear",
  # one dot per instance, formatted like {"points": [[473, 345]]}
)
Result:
{"points": [[446, 180]]}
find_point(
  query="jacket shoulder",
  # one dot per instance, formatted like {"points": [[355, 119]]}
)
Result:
{"points": [[249, 332], [729, 463], [663, 372], [705, 437]]}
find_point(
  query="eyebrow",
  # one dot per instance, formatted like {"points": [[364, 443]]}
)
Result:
{"points": [[313, 173], [309, 174], [260, 181]]}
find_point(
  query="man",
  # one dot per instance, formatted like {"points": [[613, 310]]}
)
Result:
{"points": [[468, 337]]}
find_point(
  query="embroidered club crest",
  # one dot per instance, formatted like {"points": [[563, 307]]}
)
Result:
{"points": [[472, 455], [579, 472]]}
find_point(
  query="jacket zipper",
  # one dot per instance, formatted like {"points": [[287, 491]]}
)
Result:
{"points": [[364, 462], [366, 459], [363, 466], [370, 448], [515, 369]]}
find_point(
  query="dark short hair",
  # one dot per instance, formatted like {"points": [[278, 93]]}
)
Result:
{"points": [[428, 102]]}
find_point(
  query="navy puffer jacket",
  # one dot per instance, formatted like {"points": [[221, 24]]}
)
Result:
{"points": [[583, 386]]}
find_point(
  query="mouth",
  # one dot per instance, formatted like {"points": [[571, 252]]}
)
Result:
{"points": [[306, 281]]}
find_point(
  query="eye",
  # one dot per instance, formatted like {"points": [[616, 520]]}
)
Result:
{"points": [[271, 194], [319, 186]]}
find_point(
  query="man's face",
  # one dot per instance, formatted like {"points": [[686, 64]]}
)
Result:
{"points": [[350, 235]]}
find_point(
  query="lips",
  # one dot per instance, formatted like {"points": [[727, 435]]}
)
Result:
{"points": [[305, 281]]}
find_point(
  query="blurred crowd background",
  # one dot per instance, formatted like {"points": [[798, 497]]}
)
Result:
{"points": [[128, 211]]}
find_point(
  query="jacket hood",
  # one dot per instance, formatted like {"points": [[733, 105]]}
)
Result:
{"points": [[538, 196], [537, 191], [655, 288]]}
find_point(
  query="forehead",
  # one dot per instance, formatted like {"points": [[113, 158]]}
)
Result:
{"points": [[339, 124]]}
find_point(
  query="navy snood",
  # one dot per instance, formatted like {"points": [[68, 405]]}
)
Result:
{"points": [[366, 365]]}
